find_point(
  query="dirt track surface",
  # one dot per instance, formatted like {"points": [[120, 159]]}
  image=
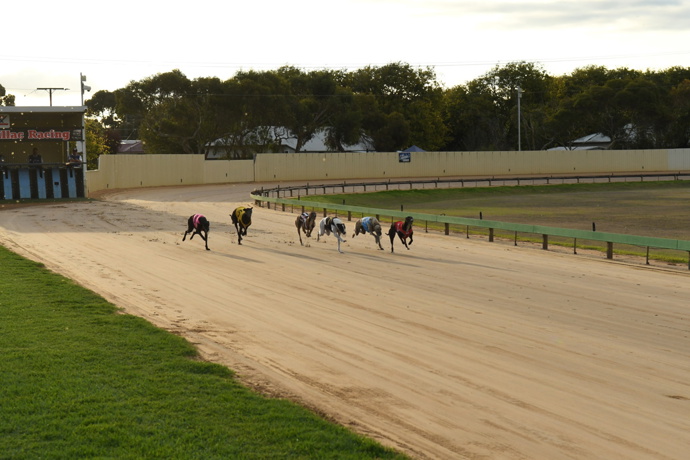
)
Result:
{"points": [[456, 348]]}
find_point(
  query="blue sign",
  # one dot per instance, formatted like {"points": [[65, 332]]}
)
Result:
{"points": [[404, 157]]}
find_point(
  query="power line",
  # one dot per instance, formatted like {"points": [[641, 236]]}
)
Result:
{"points": [[63, 60]]}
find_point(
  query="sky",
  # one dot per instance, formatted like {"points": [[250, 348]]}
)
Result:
{"points": [[51, 44]]}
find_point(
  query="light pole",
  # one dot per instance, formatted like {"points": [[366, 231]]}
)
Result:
{"points": [[83, 87], [519, 95]]}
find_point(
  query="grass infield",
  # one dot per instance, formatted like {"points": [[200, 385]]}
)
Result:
{"points": [[657, 209], [79, 379]]}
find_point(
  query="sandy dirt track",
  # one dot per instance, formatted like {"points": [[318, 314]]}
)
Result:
{"points": [[457, 348]]}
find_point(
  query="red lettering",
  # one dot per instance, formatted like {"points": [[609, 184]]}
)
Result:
{"points": [[11, 135], [52, 134]]}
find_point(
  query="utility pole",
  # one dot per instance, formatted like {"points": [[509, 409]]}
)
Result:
{"points": [[50, 92], [84, 87], [519, 95]]}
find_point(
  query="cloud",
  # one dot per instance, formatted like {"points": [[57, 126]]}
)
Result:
{"points": [[641, 15]]}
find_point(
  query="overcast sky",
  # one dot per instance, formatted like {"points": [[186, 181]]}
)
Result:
{"points": [[48, 44]]}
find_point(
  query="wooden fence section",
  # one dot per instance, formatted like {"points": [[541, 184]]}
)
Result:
{"points": [[263, 196]]}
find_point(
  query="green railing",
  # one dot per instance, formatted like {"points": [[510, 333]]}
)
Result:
{"points": [[491, 225]]}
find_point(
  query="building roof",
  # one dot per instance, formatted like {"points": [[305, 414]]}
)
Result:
{"points": [[131, 146], [43, 109], [318, 144], [596, 141]]}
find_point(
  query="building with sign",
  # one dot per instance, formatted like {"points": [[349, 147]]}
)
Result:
{"points": [[35, 145]]}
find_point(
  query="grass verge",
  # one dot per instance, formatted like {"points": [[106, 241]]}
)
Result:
{"points": [[78, 379]]}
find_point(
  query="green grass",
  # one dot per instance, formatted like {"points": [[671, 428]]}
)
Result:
{"points": [[658, 209], [79, 379]]}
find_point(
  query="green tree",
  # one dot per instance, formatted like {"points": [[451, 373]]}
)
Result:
{"points": [[102, 106], [6, 99], [318, 102], [98, 142], [678, 135], [484, 112], [174, 114], [407, 98], [253, 113]]}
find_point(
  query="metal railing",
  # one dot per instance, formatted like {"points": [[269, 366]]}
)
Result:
{"points": [[373, 186], [264, 196]]}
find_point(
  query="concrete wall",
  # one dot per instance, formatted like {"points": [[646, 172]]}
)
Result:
{"points": [[127, 171], [312, 166]]}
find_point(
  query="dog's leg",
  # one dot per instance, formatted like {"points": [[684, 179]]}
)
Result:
{"points": [[239, 233], [322, 230], [190, 229], [205, 238]]}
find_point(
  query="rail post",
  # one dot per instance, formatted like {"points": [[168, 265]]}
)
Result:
{"points": [[545, 242]]}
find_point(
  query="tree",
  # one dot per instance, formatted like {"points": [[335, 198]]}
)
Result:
{"points": [[315, 98], [102, 105], [678, 135], [484, 112], [99, 141], [407, 98], [471, 117], [173, 113], [6, 99]]}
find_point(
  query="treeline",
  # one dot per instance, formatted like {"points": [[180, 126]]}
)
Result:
{"points": [[394, 106]]}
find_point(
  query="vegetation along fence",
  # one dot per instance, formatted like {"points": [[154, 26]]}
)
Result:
{"points": [[273, 195]]}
